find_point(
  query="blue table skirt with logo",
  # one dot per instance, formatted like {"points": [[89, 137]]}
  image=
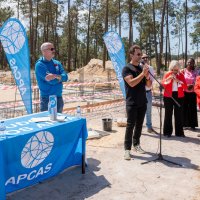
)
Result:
{"points": [[32, 152]]}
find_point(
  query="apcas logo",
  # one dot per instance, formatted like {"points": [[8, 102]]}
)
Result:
{"points": [[37, 149], [12, 37]]}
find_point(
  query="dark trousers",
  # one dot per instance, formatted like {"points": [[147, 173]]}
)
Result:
{"points": [[135, 119], [190, 110], [44, 104], [170, 105]]}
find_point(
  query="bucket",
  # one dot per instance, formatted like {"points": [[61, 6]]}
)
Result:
{"points": [[107, 124]]}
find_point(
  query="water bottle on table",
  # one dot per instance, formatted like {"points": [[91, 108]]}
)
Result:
{"points": [[78, 111], [53, 107], [2, 129]]}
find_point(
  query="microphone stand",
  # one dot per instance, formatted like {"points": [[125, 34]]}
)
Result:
{"points": [[160, 156]]}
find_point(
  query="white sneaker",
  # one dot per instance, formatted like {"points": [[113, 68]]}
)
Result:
{"points": [[139, 149], [127, 155]]}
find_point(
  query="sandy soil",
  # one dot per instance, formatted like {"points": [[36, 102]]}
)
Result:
{"points": [[109, 176], [92, 72]]}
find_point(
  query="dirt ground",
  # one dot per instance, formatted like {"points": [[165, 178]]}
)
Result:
{"points": [[108, 176]]}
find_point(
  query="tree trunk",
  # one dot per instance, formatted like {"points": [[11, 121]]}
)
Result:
{"points": [[169, 47], [35, 30], [186, 11], [179, 42], [76, 42], [69, 38], [88, 34], [130, 4], [161, 37], [167, 39], [154, 35], [56, 42], [106, 29], [18, 9], [183, 55], [31, 28], [120, 20]]}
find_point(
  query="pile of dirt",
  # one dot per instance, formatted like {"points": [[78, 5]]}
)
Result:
{"points": [[93, 72]]}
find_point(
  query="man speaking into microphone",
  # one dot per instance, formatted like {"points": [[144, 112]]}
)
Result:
{"points": [[135, 79]]}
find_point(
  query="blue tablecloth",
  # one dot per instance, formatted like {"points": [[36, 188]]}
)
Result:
{"points": [[33, 152]]}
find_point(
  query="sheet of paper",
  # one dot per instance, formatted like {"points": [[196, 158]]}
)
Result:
{"points": [[40, 119], [60, 118]]}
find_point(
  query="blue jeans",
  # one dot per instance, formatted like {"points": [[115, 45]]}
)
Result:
{"points": [[44, 104], [149, 109]]}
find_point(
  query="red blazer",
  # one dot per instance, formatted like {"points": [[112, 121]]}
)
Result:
{"points": [[197, 89], [168, 86]]}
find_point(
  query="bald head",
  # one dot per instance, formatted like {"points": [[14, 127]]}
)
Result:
{"points": [[45, 46], [48, 50]]}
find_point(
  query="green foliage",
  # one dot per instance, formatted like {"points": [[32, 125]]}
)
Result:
{"points": [[5, 13], [47, 20]]}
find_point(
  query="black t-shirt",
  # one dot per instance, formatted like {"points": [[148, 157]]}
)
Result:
{"points": [[134, 95]]}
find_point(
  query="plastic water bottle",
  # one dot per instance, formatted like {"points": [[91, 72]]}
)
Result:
{"points": [[78, 111], [52, 107], [2, 129]]}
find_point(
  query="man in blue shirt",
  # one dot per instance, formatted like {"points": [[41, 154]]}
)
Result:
{"points": [[50, 74]]}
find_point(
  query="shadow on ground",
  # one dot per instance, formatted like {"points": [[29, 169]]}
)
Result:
{"points": [[170, 161], [69, 185], [186, 139]]}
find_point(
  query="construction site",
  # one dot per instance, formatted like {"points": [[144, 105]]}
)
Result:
{"points": [[107, 174], [91, 87]]}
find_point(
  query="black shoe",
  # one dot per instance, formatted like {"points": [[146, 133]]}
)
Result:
{"points": [[180, 135], [183, 135], [167, 135]]}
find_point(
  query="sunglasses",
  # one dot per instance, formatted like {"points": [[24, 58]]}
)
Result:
{"points": [[145, 58], [175, 70], [51, 49]]}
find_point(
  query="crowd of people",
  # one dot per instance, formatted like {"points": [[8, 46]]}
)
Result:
{"points": [[181, 96], [181, 93]]}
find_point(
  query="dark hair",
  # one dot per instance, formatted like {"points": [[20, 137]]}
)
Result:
{"points": [[192, 59], [133, 48], [191, 67]]}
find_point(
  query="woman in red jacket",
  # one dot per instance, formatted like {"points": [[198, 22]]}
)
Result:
{"points": [[174, 85]]}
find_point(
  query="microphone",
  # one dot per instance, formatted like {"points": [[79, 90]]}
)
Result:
{"points": [[142, 62]]}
